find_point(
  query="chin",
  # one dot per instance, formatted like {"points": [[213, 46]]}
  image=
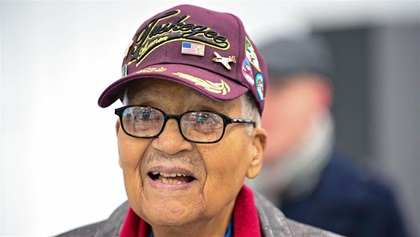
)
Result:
{"points": [[169, 215], [167, 219]]}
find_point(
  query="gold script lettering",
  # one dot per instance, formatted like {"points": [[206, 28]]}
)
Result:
{"points": [[152, 69], [219, 88]]}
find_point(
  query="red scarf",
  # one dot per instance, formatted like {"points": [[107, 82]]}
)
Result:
{"points": [[245, 219]]}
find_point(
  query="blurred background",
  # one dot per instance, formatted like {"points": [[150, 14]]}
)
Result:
{"points": [[59, 159]]}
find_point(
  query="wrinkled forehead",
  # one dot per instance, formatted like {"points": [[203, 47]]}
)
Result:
{"points": [[158, 90]]}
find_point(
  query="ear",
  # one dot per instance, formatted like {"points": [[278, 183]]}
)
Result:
{"points": [[117, 126], [259, 144], [318, 90], [324, 90], [117, 130]]}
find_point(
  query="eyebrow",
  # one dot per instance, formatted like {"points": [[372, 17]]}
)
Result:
{"points": [[142, 96]]}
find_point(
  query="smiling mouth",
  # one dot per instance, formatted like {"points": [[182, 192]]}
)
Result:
{"points": [[171, 178]]}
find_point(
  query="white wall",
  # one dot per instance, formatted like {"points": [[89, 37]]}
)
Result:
{"points": [[396, 114], [59, 166]]}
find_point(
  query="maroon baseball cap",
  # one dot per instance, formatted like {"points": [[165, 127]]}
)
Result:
{"points": [[205, 50]]}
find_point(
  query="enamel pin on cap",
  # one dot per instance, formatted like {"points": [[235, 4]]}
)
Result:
{"points": [[192, 48], [224, 60]]}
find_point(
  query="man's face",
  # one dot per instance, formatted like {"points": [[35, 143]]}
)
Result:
{"points": [[214, 172], [291, 106]]}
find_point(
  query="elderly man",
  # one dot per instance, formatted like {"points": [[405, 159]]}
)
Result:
{"points": [[189, 132]]}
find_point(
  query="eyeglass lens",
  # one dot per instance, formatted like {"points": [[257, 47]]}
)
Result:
{"points": [[142, 121], [197, 126]]}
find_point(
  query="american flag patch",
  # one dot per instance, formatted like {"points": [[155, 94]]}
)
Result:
{"points": [[192, 48]]}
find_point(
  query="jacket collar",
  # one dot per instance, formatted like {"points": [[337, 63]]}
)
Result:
{"points": [[271, 220]]}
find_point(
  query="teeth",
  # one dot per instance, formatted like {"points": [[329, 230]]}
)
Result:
{"points": [[170, 181], [169, 178], [173, 175]]}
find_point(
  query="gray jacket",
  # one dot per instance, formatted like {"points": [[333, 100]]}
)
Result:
{"points": [[273, 224]]}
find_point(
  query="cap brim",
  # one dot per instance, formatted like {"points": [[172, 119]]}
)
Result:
{"points": [[210, 84]]}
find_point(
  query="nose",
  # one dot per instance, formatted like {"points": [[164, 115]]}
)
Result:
{"points": [[170, 141]]}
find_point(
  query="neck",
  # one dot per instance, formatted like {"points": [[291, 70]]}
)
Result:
{"points": [[309, 159], [215, 226]]}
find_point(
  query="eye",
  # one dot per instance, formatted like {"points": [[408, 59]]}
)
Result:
{"points": [[203, 121], [204, 118], [145, 114]]}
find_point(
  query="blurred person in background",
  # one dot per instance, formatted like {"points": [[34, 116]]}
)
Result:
{"points": [[303, 172]]}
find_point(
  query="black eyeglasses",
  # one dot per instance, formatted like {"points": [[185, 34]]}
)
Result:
{"points": [[201, 126]]}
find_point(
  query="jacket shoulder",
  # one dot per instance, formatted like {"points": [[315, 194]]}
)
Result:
{"points": [[87, 230], [275, 224], [303, 230]]}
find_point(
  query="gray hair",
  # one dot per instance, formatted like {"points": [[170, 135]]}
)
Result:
{"points": [[124, 97], [250, 109]]}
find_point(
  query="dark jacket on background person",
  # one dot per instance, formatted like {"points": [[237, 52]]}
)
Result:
{"points": [[348, 202]]}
